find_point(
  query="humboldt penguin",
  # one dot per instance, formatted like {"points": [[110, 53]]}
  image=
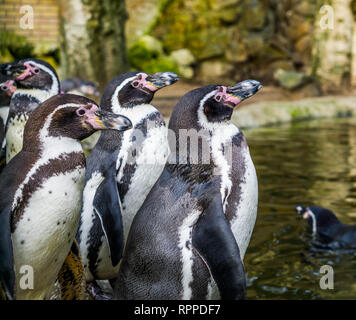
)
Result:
{"points": [[329, 230], [121, 169], [41, 193], [7, 89], [79, 86], [36, 82], [189, 237]]}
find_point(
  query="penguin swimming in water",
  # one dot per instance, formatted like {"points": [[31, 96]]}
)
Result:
{"points": [[193, 229], [7, 89], [41, 192], [79, 86], [121, 169], [36, 81], [328, 228]]}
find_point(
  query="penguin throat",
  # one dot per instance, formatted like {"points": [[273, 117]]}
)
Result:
{"points": [[39, 94]]}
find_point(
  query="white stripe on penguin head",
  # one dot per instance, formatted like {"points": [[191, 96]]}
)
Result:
{"points": [[115, 104]]}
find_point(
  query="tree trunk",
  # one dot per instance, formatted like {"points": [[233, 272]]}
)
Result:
{"points": [[332, 46], [93, 39]]}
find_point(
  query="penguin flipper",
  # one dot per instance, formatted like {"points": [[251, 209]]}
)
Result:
{"points": [[216, 244], [71, 276], [7, 272], [108, 208]]}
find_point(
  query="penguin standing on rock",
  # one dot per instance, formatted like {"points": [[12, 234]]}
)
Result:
{"points": [[121, 170], [36, 81], [41, 192], [191, 233], [328, 229]]}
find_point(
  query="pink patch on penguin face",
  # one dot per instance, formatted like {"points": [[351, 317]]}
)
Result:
{"points": [[222, 96], [232, 99], [141, 82], [90, 115], [29, 71]]}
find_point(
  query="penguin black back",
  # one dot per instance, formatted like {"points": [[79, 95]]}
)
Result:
{"points": [[328, 229]]}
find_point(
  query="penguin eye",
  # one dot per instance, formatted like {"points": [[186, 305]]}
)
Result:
{"points": [[4, 88], [36, 70], [81, 112], [218, 98], [135, 83]]}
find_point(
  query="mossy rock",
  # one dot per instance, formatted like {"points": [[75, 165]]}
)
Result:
{"points": [[159, 65], [145, 56], [18, 46], [146, 48]]}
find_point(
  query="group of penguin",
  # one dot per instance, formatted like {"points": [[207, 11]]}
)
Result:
{"points": [[142, 210], [128, 213]]}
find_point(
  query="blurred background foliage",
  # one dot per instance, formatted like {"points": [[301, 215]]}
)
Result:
{"points": [[278, 42]]}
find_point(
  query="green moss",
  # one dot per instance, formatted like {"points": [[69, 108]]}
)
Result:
{"points": [[17, 46], [150, 61], [159, 65], [139, 54], [299, 112]]}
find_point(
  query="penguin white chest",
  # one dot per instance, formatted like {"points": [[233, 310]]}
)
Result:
{"points": [[44, 234], [150, 159], [14, 136], [246, 212]]}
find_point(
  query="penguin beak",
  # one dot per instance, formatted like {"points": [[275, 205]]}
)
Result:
{"points": [[161, 79], [16, 70], [103, 120], [241, 91]]}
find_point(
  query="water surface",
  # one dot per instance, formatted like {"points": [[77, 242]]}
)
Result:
{"points": [[311, 163]]}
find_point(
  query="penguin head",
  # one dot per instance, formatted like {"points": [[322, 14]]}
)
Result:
{"points": [[71, 116], [6, 69], [89, 88], [134, 88], [7, 88], [35, 74], [212, 105], [319, 219]]}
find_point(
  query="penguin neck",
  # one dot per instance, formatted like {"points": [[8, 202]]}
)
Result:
{"points": [[135, 113], [192, 173], [46, 142], [109, 140], [50, 147], [39, 94]]}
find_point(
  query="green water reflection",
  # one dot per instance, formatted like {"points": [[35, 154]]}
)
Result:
{"points": [[304, 163]]}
